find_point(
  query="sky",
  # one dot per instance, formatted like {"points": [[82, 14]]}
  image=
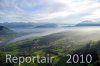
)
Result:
{"points": [[53, 11]]}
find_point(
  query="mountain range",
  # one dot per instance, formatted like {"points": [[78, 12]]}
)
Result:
{"points": [[88, 23], [29, 25], [46, 25], [49, 25]]}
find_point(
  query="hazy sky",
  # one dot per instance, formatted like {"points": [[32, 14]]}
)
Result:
{"points": [[60, 11]]}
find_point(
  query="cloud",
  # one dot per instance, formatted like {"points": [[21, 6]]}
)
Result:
{"points": [[60, 11], [93, 16]]}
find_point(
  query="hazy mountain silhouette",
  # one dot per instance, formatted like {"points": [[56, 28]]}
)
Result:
{"points": [[6, 31], [48, 25], [28, 25], [88, 23]]}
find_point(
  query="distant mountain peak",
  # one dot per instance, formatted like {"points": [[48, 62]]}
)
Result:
{"points": [[88, 23], [5, 31], [2, 27]]}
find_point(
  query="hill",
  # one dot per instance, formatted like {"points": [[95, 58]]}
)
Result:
{"points": [[17, 24], [88, 23], [48, 25], [28, 25], [6, 34], [64, 43], [5, 31], [59, 45]]}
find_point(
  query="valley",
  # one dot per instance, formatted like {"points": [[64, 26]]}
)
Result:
{"points": [[56, 42]]}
